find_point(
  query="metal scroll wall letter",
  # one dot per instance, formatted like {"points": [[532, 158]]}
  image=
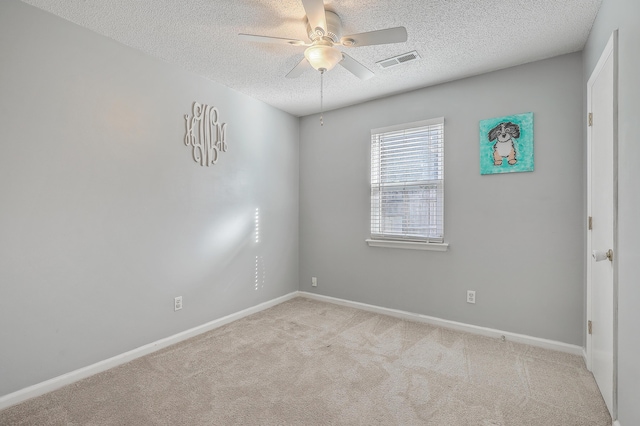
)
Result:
{"points": [[205, 134]]}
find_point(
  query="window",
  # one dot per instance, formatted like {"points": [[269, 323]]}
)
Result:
{"points": [[407, 183]]}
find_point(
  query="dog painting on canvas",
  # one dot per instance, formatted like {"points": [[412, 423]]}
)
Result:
{"points": [[505, 133], [506, 144]]}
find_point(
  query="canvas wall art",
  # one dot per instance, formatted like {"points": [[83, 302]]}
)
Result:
{"points": [[506, 144]]}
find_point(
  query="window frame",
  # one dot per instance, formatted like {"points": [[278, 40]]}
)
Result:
{"points": [[390, 240]]}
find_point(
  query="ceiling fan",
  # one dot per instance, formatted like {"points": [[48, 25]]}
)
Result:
{"points": [[324, 28]]}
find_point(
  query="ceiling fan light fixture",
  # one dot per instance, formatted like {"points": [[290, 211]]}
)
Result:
{"points": [[323, 56]]}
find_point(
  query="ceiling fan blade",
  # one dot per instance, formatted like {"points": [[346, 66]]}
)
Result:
{"points": [[355, 67], [390, 35], [267, 39], [302, 66], [315, 14]]}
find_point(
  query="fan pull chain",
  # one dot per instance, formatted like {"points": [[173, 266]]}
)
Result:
{"points": [[321, 96]]}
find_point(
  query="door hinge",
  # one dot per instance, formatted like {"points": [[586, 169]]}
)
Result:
{"points": [[590, 119], [590, 223], [590, 327]]}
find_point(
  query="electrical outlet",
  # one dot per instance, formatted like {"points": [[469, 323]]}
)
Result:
{"points": [[177, 303], [314, 282], [471, 296]]}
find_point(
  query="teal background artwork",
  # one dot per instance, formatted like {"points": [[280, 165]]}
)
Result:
{"points": [[523, 145]]}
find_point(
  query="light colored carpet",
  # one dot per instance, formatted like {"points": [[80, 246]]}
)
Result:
{"points": [[306, 362]]}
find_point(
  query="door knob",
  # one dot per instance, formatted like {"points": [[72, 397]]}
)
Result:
{"points": [[602, 255]]}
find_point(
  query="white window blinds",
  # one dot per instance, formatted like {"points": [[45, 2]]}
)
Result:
{"points": [[407, 182]]}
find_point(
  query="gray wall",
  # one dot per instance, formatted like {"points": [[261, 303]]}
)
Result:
{"points": [[105, 217], [624, 15], [517, 239]]}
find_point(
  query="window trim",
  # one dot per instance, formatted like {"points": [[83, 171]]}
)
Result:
{"points": [[403, 126], [412, 245], [399, 242]]}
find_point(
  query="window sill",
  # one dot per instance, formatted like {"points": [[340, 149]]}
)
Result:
{"points": [[411, 245]]}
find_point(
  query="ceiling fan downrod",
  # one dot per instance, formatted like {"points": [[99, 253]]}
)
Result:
{"points": [[322, 70]]}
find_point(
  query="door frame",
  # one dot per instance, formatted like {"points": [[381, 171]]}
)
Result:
{"points": [[610, 49]]}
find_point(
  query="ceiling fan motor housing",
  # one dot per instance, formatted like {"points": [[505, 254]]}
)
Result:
{"points": [[334, 28]]}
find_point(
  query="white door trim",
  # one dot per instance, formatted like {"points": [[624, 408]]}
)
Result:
{"points": [[610, 49]]}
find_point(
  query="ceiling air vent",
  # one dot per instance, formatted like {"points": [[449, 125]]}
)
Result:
{"points": [[397, 60]]}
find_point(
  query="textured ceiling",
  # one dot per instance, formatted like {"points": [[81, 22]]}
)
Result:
{"points": [[455, 39]]}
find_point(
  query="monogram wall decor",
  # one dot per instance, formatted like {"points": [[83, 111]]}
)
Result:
{"points": [[205, 134]]}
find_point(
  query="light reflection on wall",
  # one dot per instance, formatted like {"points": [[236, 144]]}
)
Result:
{"points": [[228, 234], [257, 225], [259, 273], [259, 277]]}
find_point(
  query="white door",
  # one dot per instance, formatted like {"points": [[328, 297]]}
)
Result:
{"points": [[602, 211]]}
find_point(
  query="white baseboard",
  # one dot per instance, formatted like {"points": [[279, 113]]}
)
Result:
{"points": [[484, 331], [617, 423], [84, 372]]}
